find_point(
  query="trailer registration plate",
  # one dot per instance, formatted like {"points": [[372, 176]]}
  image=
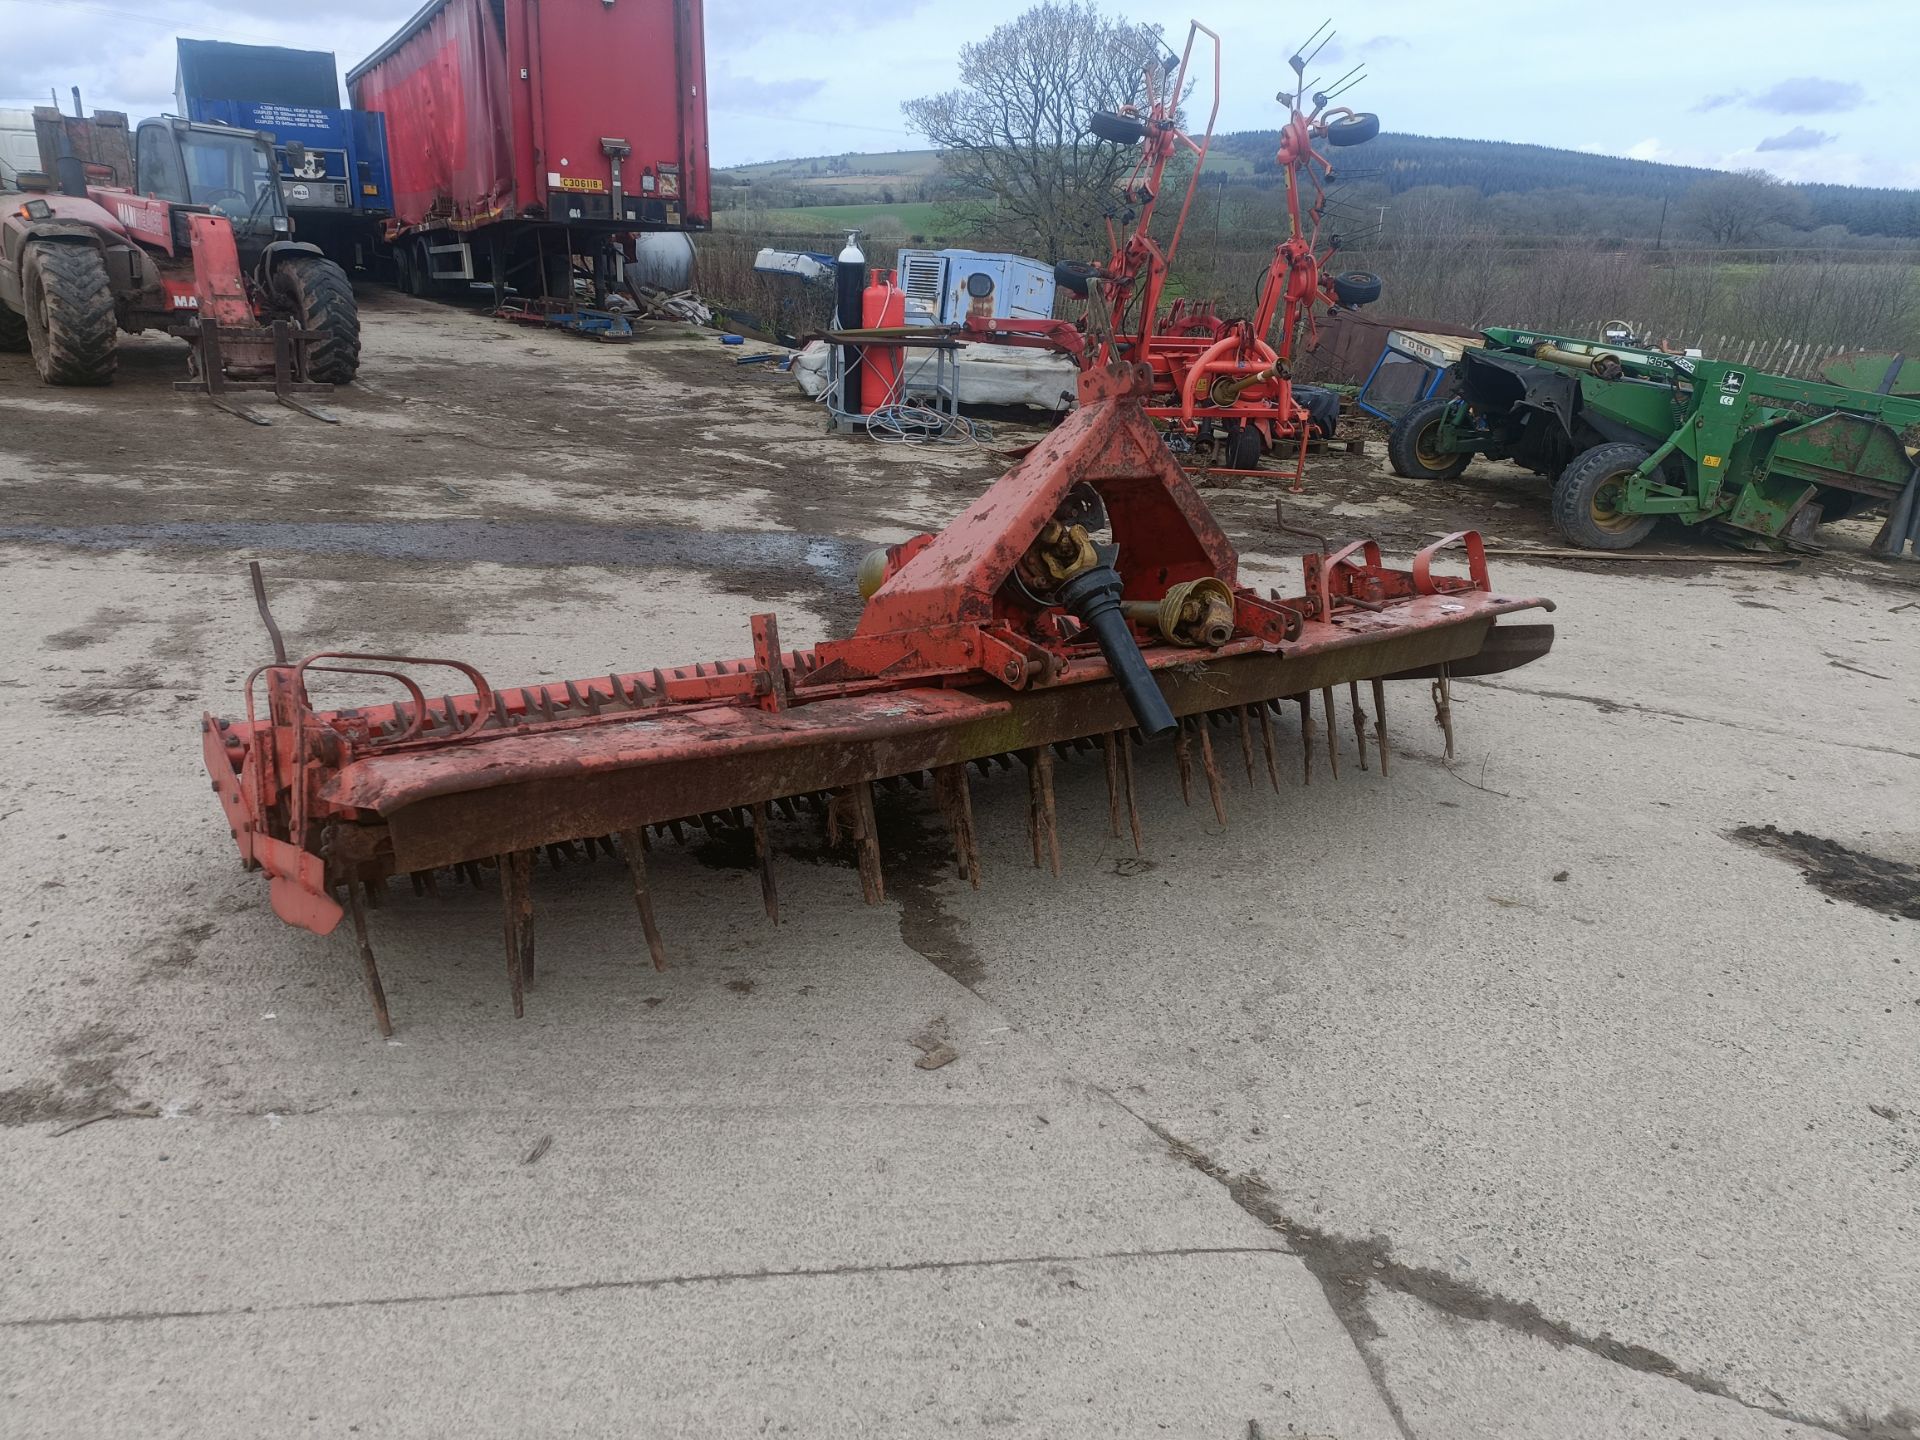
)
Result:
{"points": [[581, 182]]}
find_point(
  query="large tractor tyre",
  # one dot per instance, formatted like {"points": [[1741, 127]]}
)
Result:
{"points": [[13, 331], [1588, 495], [317, 295], [1411, 443], [70, 323], [1353, 130]]}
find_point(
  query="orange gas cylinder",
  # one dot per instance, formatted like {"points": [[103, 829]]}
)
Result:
{"points": [[883, 304]]}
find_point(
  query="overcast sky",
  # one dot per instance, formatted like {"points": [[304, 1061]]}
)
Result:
{"points": [[1808, 91]]}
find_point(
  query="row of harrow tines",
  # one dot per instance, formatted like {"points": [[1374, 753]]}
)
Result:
{"points": [[1087, 601]]}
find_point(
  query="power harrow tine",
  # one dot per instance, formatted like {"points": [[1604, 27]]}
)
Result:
{"points": [[1380, 720], [1066, 607], [1183, 756], [1216, 785], [763, 860], [376, 992], [1043, 825], [1333, 730], [635, 844], [956, 804], [1126, 790], [1264, 713]]}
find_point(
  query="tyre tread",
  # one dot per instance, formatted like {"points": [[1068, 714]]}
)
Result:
{"points": [[80, 345], [1572, 506], [1403, 455], [322, 300]]}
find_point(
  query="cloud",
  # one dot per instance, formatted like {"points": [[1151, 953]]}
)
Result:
{"points": [[1798, 138], [1717, 102], [1809, 95], [1379, 44], [1806, 95]]}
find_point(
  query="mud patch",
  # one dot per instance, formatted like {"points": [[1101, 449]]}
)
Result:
{"points": [[116, 694], [176, 948], [1839, 872], [919, 856], [97, 630], [88, 1083]]}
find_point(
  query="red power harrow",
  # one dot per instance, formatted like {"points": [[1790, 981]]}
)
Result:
{"points": [[1087, 596]]}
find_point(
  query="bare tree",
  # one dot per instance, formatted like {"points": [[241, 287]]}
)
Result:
{"points": [[1735, 209], [1014, 131]]}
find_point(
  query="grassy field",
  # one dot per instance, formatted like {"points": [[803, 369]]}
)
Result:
{"points": [[913, 218]]}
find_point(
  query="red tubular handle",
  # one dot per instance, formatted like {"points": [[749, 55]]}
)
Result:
{"points": [[1370, 552], [1476, 548], [482, 692]]}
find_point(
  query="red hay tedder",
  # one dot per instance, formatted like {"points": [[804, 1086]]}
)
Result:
{"points": [[1215, 380]]}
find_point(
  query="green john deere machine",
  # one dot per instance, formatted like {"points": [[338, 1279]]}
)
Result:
{"points": [[1627, 435]]}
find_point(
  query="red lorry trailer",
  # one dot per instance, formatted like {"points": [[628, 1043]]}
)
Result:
{"points": [[522, 134]]}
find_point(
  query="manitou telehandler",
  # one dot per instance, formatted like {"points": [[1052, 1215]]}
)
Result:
{"points": [[188, 235]]}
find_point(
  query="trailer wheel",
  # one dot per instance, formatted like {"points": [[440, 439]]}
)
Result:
{"points": [[1588, 495], [317, 294], [1411, 443], [13, 331], [71, 327]]}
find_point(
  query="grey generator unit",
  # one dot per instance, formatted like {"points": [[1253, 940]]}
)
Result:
{"points": [[944, 287]]}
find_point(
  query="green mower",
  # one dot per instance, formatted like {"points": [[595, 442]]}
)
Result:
{"points": [[1628, 435]]}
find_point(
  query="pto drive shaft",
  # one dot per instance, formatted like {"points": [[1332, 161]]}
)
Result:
{"points": [[1093, 596]]}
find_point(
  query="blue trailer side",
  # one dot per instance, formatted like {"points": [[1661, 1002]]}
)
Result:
{"points": [[333, 161]]}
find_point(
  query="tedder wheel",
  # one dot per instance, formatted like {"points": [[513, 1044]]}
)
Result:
{"points": [[70, 322], [1588, 495], [1119, 129], [1356, 288], [13, 330], [1243, 448], [1410, 444], [1075, 275], [317, 294], [1354, 130]]}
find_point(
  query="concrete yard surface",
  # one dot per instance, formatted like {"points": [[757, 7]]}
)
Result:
{"points": [[1568, 1088]]}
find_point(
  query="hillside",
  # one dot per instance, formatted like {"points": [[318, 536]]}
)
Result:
{"points": [[1525, 189]]}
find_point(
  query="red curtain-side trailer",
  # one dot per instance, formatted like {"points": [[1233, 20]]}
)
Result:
{"points": [[524, 133]]}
